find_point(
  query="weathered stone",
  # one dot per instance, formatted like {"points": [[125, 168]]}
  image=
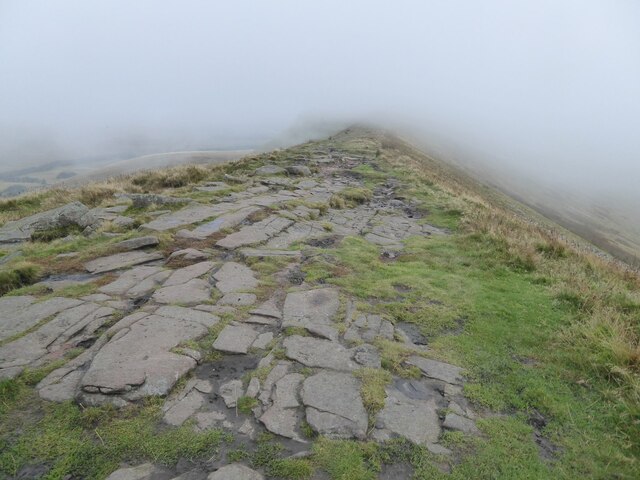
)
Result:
{"points": [[453, 421], [191, 293], [138, 360], [212, 187], [234, 277], [235, 339], [268, 252], [416, 420], [223, 222], [267, 309], [183, 275], [146, 471], [253, 388], [257, 233], [18, 314], [188, 314], [235, 471], [259, 320], [143, 200], [238, 299], [187, 216], [437, 370], [123, 222], [181, 410], [367, 356], [300, 170], [136, 282], [263, 340], [136, 243], [313, 310], [209, 420], [298, 232], [187, 254], [276, 373], [120, 260], [21, 230], [270, 170], [313, 352], [334, 407], [231, 392]]}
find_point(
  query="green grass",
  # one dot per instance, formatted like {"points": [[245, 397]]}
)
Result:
{"points": [[18, 276], [91, 443]]}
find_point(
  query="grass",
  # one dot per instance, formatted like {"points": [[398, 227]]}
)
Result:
{"points": [[372, 390], [19, 275]]}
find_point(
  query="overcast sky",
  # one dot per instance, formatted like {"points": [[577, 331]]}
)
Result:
{"points": [[549, 88]]}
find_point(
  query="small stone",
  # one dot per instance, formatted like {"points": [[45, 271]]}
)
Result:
{"points": [[136, 243], [120, 260], [238, 299], [253, 388], [235, 339], [270, 170], [437, 370], [367, 356], [438, 449], [235, 471], [234, 277], [209, 420], [453, 421], [146, 471], [247, 429], [183, 275], [231, 392], [314, 352], [299, 170], [178, 413], [191, 293], [187, 254], [263, 340]]}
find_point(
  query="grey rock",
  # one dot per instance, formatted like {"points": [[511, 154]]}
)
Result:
{"points": [[453, 421], [209, 420], [416, 420], [138, 360], [300, 170], [267, 309], [235, 471], [263, 340], [253, 388], [223, 222], [257, 233], [314, 352], [187, 254], [268, 252], [123, 222], [334, 407], [136, 282], [136, 243], [183, 275], [187, 216], [143, 200], [238, 299], [438, 449], [276, 373], [146, 471], [180, 411], [234, 277], [18, 314], [235, 339], [367, 356], [231, 392], [120, 260], [270, 170], [191, 293], [437, 370], [313, 310], [188, 314]]}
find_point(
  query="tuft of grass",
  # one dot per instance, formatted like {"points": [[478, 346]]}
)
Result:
{"points": [[372, 389], [247, 404], [343, 459], [350, 197], [19, 275]]}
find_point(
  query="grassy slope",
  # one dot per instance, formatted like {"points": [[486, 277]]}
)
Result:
{"points": [[545, 331]]}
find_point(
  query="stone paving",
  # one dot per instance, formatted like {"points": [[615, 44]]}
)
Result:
{"points": [[143, 330]]}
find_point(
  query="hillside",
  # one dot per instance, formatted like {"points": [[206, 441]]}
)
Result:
{"points": [[348, 308]]}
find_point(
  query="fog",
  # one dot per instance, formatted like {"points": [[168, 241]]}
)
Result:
{"points": [[546, 91]]}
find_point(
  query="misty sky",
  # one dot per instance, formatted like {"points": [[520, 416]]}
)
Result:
{"points": [[549, 88]]}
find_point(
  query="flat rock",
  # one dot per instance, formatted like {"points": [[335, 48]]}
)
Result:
{"points": [[313, 310], [333, 405], [188, 314], [235, 471], [234, 277], [231, 392], [18, 314], [238, 299], [263, 340], [270, 170], [367, 355], [188, 254], [223, 222], [437, 370], [136, 282], [416, 420], [120, 260], [180, 411], [254, 234], [136, 243], [138, 361], [235, 339], [299, 170], [187, 216], [143, 200], [453, 421], [146, 471], [269, 252], [267, 309], [314, 352], [191, 293], [185, 274]]}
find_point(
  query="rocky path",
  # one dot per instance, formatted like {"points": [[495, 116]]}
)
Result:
{"points": [[231, 347]]}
